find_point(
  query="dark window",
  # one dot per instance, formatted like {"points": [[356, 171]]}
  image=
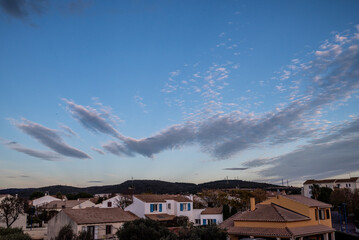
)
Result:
{"points": [[109, 204], [328, 215], [316, 214], [321, 214], [108, 229]]}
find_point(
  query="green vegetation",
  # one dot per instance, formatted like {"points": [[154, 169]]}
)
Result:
{"points": [[36, 195], [151, 230], [13, 234], [78, 195]]}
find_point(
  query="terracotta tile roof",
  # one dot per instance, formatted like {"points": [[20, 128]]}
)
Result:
{"points": [[63, 204], [353, 179], [161, 198], [310, 230], [308, 201], [259, 232], [313, 181], [271, 213], [229, 222], [160, 217], [99, 215], [218, 210]]}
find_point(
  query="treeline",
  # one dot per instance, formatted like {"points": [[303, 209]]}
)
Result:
{"points": [[142, 186]]}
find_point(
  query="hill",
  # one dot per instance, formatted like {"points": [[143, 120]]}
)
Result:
{"points": [[142, 186]]}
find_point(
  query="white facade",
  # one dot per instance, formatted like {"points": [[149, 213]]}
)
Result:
{"points": [[44, 200], [171, 207], [111, 202], [210, 219], [350, 183]]}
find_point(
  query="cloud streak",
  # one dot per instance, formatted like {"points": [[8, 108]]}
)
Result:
{"points": [[50, 138], [45, 155], [92, 119]]}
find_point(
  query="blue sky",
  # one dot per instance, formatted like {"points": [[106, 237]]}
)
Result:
{"points": [[99, 92]]}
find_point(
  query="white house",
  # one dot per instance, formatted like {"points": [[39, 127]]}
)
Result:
{"points": [[211, 216], [167, 207], [44, 200], [102, 222], [350, 183], [117, 201]]}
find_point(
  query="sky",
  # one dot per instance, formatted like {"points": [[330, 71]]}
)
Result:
{"points": [[100, 92]]}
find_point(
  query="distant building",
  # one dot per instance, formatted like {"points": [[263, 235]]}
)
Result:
{"points": [[44, 200], [167, 207], [102, 222], [349, 183], [292, 217], [73, 204]]}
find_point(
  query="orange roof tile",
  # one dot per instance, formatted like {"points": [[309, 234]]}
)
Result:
{"points": [[271, 213], [218, 210], [99, 215], [161, 198], [308, 201]]}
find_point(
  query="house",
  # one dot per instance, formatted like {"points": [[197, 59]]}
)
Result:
{"points": [[292, 217], [117, 201], [44, 200], [349, 183], [102, 222], [167, 207], [73, 204]]}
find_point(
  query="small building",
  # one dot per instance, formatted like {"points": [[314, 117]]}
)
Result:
{"points": [[44, 200], [349, 183], [167, 207], [73, 204], [103, 223], [293, 217]]}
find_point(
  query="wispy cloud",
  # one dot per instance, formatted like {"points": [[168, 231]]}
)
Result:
{"points": [[68, 130], [235, 169], [45, 155], [50, 138], [98, 150], [94, 181], [91, 119], [223, 135], [23, 8]]}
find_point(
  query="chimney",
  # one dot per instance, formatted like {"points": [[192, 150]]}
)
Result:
{"points": [[253, 204]]}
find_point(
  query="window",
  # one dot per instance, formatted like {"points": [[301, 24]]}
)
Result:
{"points": [[328, 214], [321, 214], [185, 207], [109, 204], [169, 206], [316, 214], [211, 221], [156, 207], [108, 229], [311, 187], [198, 221], [338, 185]]}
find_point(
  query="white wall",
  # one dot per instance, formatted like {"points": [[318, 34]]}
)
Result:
{"points": [[187, 213], [218, 217], [43, 200], [56, 223], [85, 204], [137, 207]]}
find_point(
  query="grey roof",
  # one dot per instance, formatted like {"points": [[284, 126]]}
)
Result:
{"points": [[308, 201], [99, 215], [271, 213]]}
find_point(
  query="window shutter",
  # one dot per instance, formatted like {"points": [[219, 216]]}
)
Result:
{"points": [[160, 207], [151, 207], [214, 221], [204, 222], [181, 207], [189, 207]]}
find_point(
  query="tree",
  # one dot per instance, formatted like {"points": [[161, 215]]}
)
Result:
{"points": [[144, 229], [226, 212], [315, 191], [36, 195], [212, 232], [10, 209], [66, 233], [324, 194], [13, 234]]}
